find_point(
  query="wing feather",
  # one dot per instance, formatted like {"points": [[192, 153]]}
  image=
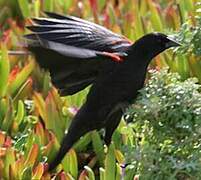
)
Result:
{"points": [[75, 51], [71, 30]]}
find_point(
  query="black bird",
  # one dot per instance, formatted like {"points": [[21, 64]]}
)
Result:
{"points": [[79, 53]]}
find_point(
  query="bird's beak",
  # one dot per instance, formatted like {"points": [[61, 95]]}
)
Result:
{"points": [[172, 42]]}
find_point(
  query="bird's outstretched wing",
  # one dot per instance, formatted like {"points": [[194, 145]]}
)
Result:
{"points": [[74, 50]]}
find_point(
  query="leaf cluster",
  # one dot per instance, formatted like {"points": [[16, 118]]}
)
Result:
{"points": [[166, 121]]}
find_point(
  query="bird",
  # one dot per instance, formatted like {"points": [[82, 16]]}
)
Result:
{"points": [[79, 53]]}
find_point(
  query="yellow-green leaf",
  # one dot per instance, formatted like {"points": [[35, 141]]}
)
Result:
{"points": [[32, 156], [4, 70], [110, 163], [90, 173], [20, 112], [102, 173], [38, 171], [98, 146], [21, 78], [24, 6]]}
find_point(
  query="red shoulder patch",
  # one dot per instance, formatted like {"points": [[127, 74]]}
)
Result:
{"points": [[113, 56]]}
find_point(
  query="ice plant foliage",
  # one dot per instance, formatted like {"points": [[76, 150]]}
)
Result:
{"points": [[162, 139]]}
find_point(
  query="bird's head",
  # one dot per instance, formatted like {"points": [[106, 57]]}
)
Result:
{"points": [[152, 44]]}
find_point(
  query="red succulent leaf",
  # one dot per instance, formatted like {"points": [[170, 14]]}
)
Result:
{"points": [[2, 151], [8, 142], [13, 73], [83, 175], [2, 137], [94, 5], [38, 171], [6, 36], [62, 175], [45, 166]]}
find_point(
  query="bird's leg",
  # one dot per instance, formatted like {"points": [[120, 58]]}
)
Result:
{"points": [[109, 132], [123, 106], [111, 124], [119, 107]]}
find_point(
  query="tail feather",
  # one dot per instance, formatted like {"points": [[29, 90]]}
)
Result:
{"points": [[79, 127], [67, 143], [72, 136]]}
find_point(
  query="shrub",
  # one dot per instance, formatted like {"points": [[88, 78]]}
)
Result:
{"points": [[166, 121]]}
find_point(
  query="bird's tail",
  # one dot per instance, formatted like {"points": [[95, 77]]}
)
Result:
{"points": [[76, 130], [67, 143]]}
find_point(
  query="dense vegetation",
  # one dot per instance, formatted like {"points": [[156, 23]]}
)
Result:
{"points": [[159, 135]]}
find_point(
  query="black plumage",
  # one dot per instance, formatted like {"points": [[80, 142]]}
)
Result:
{"points": [[79, 53]]}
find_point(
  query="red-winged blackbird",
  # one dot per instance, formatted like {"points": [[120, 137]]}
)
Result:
{"points": [[79, 53]]}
